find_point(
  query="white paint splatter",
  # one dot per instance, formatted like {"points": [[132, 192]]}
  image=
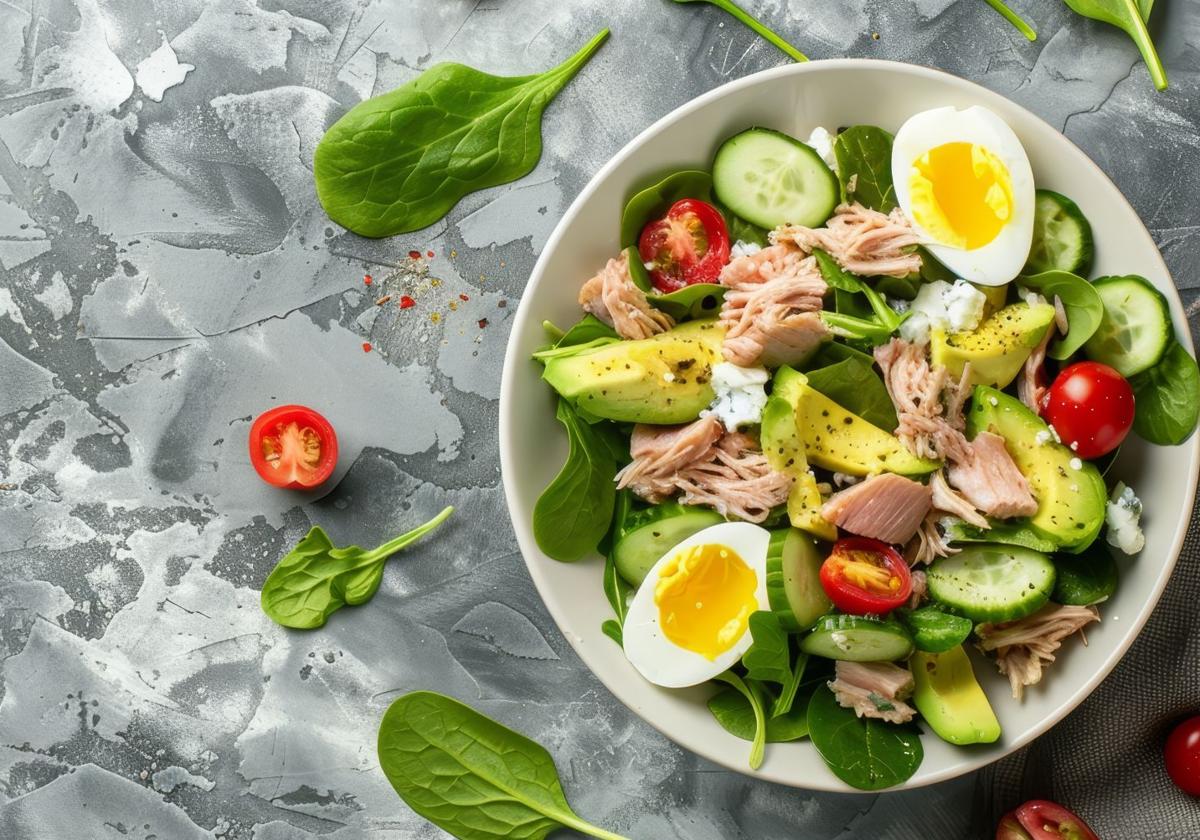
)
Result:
{"points": [[167, 779], [161, 71]]}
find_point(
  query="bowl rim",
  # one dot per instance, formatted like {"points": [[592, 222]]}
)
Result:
{"points": [[513, 359]]}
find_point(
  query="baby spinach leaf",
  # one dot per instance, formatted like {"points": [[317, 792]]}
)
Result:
{"points": [[400, 161], [315, 579], [787, 697], [740, 230], [589, 328], [1085, 309], [752, 692], [574, 511], [736, 716], [864, 753], [1003, 531], [845, 283], [1167, 398], [1085, 579], [744, 17], [769, 658], [855, 386], [832, 352], [699, 300], [471, 776], [654, 201], [1013, 18], [864, 156], [1130, 16], [616, 590], [571, 349]]}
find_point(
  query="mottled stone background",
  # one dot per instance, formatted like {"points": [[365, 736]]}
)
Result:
{"points": [[166, 274]]}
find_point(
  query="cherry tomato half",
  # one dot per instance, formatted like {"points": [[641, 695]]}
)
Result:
{"points": [[1090, 405], [1182, 755], [865, 577], [1038, 819], [689, 245], [293, 446]]}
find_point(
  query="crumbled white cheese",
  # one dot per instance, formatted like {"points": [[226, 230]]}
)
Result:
{"points": [[670, 377], [1076, 464], [844, 480], [994, 401], [1123, 515], [741, 396], [1043, 437], [743, 249], [899, 304], [822, 142], [1054, 432], [942, 306], [1031, 297]]}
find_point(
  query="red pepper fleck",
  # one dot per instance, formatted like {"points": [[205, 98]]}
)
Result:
{"points": [[483, 322], [366, 347], [367, 280], [414, 255], [463, 297], [406, 302], [429, 254]]}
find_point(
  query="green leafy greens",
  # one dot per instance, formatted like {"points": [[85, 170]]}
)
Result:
{"points": [[865, 753], [1085, 309], [855, 386], [872, 324], [471, 776], [736, 716], [864, 156], [746, 18], [1131, 17], [400, 161], [1167, 398], [1013, 18], [752, 692], [315, 579]]}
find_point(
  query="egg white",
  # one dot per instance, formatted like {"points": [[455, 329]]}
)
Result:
{"points": [[656, 657], [1002, 259]]}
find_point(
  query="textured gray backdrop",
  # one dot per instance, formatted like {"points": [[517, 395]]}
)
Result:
{"points": [[166, 273]]}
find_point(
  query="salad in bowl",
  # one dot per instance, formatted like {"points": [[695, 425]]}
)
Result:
{"points": [[844, 407]]}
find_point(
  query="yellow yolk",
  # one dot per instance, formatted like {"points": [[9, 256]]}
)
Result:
{"points": [[705, 596], [961, 194]]}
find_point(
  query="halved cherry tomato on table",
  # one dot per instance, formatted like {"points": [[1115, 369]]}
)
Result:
{"points": [[689, 245], [1182, 755], [1090, 405], [1038, 819], [293, 446], [865, 577]]}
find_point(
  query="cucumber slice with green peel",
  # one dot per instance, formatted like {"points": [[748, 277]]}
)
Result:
{"points": [[646, 535], [1136, 328], [1085, 579], [1062, 236], [794, 579], [856, 638], [770, 179], [992, 582]]}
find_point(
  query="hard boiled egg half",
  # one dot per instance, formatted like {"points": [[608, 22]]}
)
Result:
{"points": [[963, 179], [689, 620]]}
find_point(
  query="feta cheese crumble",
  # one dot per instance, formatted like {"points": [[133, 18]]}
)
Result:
{"points": [[1030, 297], [942, 306], [743, 249], [1043, 437], [1123, 514], [822, 142], [741, 396], [1076, 464]]}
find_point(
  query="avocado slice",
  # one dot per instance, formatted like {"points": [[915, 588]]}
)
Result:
{"points": [[663, 379], [840, 440], [997, 348], [949, 698], [1071, 500], [785, 452]]}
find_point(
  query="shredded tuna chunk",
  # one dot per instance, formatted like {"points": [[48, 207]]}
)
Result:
{"points": [[770, 311], [726, 472], [990, 480], [1031, 384], [1025, 647], [888, 507], [613, 297], [916, 391], [946, 500], [874, 690], [920, 585], [863, 241], [929, 542]]}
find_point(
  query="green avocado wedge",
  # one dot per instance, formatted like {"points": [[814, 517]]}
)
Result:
{"points": [[950, 700]]}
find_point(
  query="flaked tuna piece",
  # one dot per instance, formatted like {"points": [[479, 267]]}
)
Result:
{"points": [[916, 391], [946, 500], [1031, 384], [770, 311], [920, 585], [929, 542], [1025, 647], [989, 479], [874, 690], [659, 452], [863, 241], [615, 299], [887, 507], [737, 482]]}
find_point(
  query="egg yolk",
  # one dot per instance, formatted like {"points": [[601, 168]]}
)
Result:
{"points": [[961, 194], [705, 596]]}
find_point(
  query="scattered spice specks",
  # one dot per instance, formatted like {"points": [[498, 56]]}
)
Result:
{"points": [[435, 317], [483, 322], [429, 254], [383, 300], [367, 280], [406, 302], [464, 297], [414, 255], [453, 306], [366, 347], [503, 304]]}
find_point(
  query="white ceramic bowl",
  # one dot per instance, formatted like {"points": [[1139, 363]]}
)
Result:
{"points": [[794, 99]]}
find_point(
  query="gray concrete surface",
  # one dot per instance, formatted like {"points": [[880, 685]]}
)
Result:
{"points": [[166, 273]]}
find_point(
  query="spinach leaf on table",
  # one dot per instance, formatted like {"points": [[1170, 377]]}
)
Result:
{"points": [[864, 156], [746, 18], [400, 161], [315, 579], [1131, 17], [864, 753], [1013, 18], [1167, 398], [574, 511], [471, 776], [1085, 309]]}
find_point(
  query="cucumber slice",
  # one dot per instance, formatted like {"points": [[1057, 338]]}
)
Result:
{"points": [[1087, 578], [646, 535], [992, 582], [934, 631], [1136, 328], [1062, 236], [771, 179], [858, 639], [794, 588]]}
